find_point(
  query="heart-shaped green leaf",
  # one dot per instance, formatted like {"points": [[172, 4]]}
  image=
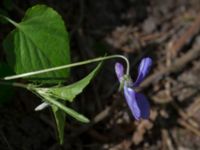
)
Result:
{"points": [[39, 41]]}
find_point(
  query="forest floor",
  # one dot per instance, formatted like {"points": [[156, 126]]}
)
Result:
{"points": [[167, 31]]}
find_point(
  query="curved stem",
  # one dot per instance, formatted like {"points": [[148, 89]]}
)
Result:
{"points": [[9, 20], [70, 66]]}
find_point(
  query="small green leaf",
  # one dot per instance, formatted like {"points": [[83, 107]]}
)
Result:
{"points": [[71, 91], [39, 41], [60, 110], [66, 109], [60, 122]]}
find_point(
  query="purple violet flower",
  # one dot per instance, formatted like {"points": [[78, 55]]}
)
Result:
{"points": [[137, 102]]}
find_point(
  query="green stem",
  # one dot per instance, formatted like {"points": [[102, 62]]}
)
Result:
{"points": [[14, 84], [9, 20], [70, 66]]}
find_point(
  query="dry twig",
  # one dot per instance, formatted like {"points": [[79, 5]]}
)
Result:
{"points": [[186, 37], [175, 67]]}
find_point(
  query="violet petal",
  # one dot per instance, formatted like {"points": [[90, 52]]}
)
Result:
{"points": [[143, 105], [138, 103], [119, 70], [144, 68], [130, 96]]}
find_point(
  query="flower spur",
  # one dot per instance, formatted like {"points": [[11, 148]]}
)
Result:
{"points": [[137, 102]]}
